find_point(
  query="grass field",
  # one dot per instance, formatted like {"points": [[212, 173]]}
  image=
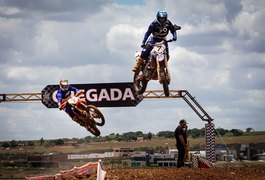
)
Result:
{"points": [[240, 170], [108, 146]]}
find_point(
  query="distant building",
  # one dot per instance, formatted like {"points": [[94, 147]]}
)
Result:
{"points": [[123, 152], [90, 156], [163, 160], [47, 161]]}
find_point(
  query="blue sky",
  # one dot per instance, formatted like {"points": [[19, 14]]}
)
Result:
{"points": [[219, 58]]}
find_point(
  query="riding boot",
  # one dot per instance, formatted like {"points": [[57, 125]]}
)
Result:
{"points": [[139, 61]]}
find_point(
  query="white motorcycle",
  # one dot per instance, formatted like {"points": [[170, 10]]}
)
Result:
{"points": [[155, 67]]}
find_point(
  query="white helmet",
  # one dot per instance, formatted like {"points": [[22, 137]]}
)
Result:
{"points": [[64, 85]]}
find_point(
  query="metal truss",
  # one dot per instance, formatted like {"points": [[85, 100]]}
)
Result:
{"points": [[20, 97], [184, 94], [160, 94]]}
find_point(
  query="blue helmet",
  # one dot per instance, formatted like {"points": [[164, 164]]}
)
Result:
{"points": [[161, 17]]}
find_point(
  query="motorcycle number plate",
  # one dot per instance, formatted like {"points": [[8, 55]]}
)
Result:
{"points": [[73, 100], [160, 57]]}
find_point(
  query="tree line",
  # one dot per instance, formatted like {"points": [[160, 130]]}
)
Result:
{"points": [[127, 136]]}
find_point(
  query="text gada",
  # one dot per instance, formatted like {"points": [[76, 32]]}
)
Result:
{"points": [[114, 94]]}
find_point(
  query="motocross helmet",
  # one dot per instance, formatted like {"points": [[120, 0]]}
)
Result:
{"points": [[161, 17], [64, 85]]}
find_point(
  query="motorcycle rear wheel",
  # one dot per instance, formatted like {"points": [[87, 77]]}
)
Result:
{"points": [[95, 115], [139, 83]]}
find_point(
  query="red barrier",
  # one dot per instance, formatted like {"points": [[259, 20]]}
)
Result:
{"points": [[77, 172], [89, 168]]}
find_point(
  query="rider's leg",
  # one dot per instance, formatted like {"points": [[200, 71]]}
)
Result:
{"points": [[139, 61], [69, 111], [144, 55]]}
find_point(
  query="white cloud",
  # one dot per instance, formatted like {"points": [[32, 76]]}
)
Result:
{"points": [[123, 36], [46, 41], [9, 11], [219, 58]]}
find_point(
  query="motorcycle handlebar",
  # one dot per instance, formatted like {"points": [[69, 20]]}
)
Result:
{"points": [[170, 40], [177, 27], [161, 42], [64, 102]]}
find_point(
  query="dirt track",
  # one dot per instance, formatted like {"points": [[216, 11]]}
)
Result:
{"points": [[241, 173]]}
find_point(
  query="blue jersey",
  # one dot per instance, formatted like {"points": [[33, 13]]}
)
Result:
{"points": [[61, 95], [160, 32]]}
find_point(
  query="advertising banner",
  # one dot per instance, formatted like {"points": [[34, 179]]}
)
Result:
{"points": [[99, 95]]}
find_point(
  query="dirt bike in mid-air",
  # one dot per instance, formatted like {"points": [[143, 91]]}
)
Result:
{"points": [[89, 116], [155, 67]]}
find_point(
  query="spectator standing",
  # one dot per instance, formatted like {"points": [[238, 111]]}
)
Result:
{"points": [[181, 142]]}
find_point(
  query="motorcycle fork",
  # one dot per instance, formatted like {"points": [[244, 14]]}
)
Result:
{"points": [[160, 78], [167, 69], [153, 66], [80, 110], [158, 65]]}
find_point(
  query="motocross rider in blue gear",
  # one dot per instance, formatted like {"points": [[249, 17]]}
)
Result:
{"points": [[159, 29], [63, 94]]}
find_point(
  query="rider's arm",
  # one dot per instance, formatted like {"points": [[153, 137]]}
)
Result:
{"points": [[72, 88], [173, 31], [148, 33], [59, 98], [174, 36]]}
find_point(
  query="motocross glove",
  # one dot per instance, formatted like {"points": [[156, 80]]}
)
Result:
{"points": [[174, 36], [60, 107], [142, 45]]}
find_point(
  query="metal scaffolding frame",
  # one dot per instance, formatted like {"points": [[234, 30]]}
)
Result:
{"points": [[184, 94], [20, 97], [148, 94]]}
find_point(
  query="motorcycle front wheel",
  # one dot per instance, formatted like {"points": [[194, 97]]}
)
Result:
{"points": [[139, 82]]}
